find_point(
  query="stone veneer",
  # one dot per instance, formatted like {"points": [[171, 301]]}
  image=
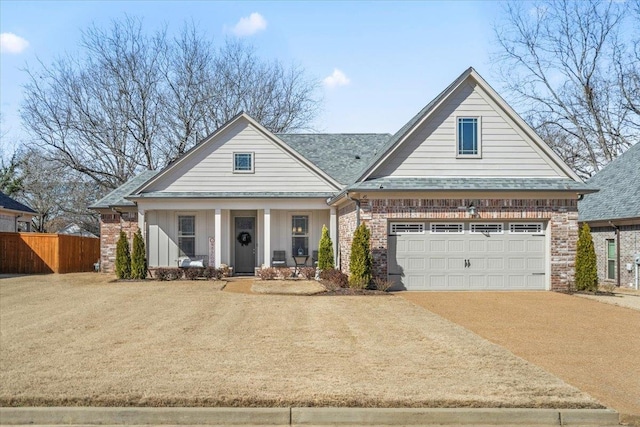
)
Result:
{"points": [[629, 246], [562, 215], [110, 226]]}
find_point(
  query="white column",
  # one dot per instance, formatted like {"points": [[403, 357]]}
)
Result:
{"points": [[218, 237], [267, 237], [141, 223], [333, 233]]}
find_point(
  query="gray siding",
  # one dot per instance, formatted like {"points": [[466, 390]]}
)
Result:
{"points": [[281, 230], [210, 168], [431, 150]]}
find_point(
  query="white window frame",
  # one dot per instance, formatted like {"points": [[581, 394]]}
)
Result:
{"points": [[250, 153], [420, 226], [189, 236], [473, 225], [608, 260], [540, 226], [458, 225], [478, 155], [310, 249]]}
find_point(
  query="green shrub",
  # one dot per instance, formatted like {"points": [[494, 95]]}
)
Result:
{"points": [[138, 261], [325, 251], [586, 267], [123, 257], [361, 261]]}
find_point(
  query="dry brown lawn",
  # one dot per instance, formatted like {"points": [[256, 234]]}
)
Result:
{"points": [[78, 340]]}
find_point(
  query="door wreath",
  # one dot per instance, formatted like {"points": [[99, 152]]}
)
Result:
{"points": [[244, 238]]}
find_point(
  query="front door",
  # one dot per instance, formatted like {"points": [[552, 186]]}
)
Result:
{"points": [[245, 243]]}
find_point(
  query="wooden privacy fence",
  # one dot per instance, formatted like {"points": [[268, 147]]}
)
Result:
{"points": [[34, 253]]}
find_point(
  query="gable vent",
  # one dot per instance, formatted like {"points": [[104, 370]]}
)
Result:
{"points": [[439, 227], [406, 228], [491, 228], [525, 227]]}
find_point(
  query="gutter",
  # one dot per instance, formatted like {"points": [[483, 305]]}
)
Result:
{"points": [[618, 266]]}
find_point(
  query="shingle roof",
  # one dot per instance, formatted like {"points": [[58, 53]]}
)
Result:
{"points": [[14, 205], [489, 184], [117, 196], [619, 195], [229, 194], [342, 156]]}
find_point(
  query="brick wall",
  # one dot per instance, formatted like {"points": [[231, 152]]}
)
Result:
{"points": [[629, 246], [346, 228], [110, 226], [562, 215]]}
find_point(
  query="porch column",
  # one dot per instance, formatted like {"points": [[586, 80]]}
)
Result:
{"points": [[141, 226], [267, 237], [333, 233], [218, 237]]}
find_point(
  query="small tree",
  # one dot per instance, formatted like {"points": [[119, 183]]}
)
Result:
{"points": [[586, 267], [123, 257], [138, 261], [361, 262], [325, 251]]}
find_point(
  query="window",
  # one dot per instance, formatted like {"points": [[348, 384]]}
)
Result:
{"points": [[187, 235], [437, 228], [525, 227], [490, 228], [611, 259], [243, 162], [300, 235], [407, 228], [468, 137]]}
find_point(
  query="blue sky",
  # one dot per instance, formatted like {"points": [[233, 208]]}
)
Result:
{"points": [[392, 57]]}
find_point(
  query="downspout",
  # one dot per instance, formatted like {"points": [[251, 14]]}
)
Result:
{"points": [[357, 208], [618, 266]]}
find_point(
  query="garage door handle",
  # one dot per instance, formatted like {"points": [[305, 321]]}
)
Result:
{"points": [[467, 263]]}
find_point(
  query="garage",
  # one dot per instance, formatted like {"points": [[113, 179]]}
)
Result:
{"points": [[467, 255]]}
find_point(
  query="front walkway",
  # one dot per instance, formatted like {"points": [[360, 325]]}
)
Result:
{"points": [[591, 345]]}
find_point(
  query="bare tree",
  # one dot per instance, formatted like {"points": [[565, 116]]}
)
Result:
{"points": [[131, 101], [559, 60]]}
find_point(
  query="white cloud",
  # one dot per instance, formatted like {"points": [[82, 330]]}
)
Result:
{"points": [[337, 78], [249, 25], [10, 43]]}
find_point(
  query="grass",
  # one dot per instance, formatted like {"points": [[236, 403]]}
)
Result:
{"points": [[78, 340]]}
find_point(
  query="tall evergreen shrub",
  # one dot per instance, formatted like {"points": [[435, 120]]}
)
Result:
{"points": [[138, 261], [586, 267], [361, 261], [123, 257], [325, 251]]}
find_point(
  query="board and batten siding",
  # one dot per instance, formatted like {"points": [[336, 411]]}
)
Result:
{"points": [[210, 167], [162, 238], [505, 149]]}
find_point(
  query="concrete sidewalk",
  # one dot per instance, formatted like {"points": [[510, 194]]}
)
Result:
{"points": [[90, 416]]}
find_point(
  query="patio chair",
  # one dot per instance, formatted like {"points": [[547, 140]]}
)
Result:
{"points": [[314, 258], [279, 259]]}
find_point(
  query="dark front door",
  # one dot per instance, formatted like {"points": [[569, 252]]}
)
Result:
{"points": [[245, 243]]}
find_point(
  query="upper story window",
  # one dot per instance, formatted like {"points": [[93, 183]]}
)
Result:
{"points": [[243, 162], [468, 137]]}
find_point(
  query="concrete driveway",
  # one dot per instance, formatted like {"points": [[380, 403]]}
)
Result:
{"points": [[590, 345]]}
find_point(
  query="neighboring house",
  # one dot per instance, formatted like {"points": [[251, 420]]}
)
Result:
{"points": [[464, 196], [14, 216], [614, 217], [74, 229]]}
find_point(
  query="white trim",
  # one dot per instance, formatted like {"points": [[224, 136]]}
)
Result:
{"points": [[267, 236], [217, 235], [253, 159], [478, 154], [398, 228]]}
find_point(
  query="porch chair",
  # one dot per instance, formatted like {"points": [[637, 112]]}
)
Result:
{"points": [[279, 259], [314, 258]]}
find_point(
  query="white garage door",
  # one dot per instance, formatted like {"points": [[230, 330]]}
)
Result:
{"points": [[467, 255]]}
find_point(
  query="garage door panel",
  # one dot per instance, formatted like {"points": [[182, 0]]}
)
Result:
{"points": [[437, 281], [516, 263], [437, 245], [535, 246], [535, 264], [437, 263], [416, 281], [456, 245], [455, 263], [416, 246], [495, 263], [516, 246], [417, 264], [477, 281], [495, 281], [477, 246], [495, 246], [456, 281]]}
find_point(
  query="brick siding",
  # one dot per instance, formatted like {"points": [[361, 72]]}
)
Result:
{"points": [[629, 246], [562, 215], [110, 226]]}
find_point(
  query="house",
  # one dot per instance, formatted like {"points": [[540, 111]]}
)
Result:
{"points": [[74, 229], [464, 196], [14, 216], [614, 217]]}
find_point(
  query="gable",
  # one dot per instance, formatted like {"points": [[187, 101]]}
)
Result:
{"points": [[209, 168], [430, 150]]}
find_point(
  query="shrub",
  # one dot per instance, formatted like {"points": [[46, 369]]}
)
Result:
{"points": [[361, 262], [382, 284], [123, 257], [285, 273], [212, 273], [225, 270], [164, 274], [138, 261], [325, 251], [268, 273], [335, 277], [308, 273], [586, 267], [193, 273]]}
